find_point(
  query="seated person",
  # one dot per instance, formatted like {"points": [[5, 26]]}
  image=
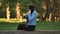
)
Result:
{"points": [[31, 19]]}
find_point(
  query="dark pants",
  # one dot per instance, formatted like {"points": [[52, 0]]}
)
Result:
{"points": [[23, 27]]}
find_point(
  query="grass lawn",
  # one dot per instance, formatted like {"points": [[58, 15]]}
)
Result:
{"points": [[40, 26], [48, 25]]}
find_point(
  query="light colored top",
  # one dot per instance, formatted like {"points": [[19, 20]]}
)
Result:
{"points": [[32, 18]]}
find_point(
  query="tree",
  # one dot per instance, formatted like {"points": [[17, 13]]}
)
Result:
{"points": [[57, 9], [8, 12], [18, 16]]}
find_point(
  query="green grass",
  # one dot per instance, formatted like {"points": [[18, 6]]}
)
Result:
{"points": [[48, 25], [40, 26], [8, 26]]}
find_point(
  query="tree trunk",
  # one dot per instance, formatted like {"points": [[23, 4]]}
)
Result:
{"points": [[47, 10], [8, 12], [17, 11], [41, 12]]}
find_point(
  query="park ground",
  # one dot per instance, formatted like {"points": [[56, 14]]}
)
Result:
{"points": [[41, 25]]}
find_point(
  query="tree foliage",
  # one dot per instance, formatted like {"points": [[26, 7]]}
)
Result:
{"points": [[24, 7]]}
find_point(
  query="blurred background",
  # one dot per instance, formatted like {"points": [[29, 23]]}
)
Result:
{"points": [[12, 11]]}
